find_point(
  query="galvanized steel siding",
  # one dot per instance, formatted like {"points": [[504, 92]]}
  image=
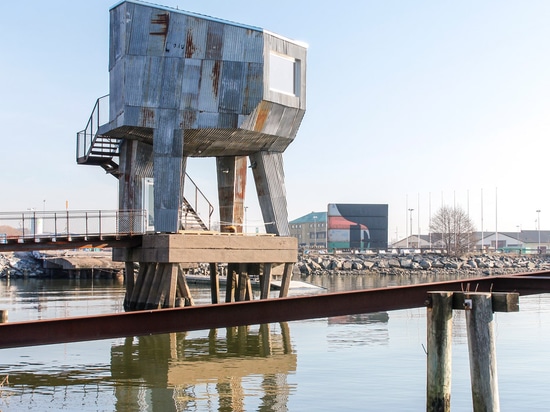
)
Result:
{"points": [[198, 86]]}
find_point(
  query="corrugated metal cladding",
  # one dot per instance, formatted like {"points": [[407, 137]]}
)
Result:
{"points": [[269, 178], [194, 85]]}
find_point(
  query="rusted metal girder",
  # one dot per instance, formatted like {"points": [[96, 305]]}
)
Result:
{"points": [[75, 329]]}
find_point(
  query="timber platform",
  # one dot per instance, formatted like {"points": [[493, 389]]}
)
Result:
{"points": [[165, 259]]}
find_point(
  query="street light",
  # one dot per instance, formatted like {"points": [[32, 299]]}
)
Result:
{"points": [[519, 242], [538, 226]]}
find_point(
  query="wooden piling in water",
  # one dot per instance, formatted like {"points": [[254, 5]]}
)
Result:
{"points": [[3, 316], [214, 283], [439, 343], [481, 346]]}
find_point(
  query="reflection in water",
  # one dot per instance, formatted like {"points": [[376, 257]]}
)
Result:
{"points": [[217, 371], [344, 331]]}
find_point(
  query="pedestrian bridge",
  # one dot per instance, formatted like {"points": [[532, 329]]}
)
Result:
{"points": [[70, 229]]}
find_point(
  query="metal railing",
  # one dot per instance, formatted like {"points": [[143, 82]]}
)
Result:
{"points": [[198, 201], [36, 225], [85, 138]]}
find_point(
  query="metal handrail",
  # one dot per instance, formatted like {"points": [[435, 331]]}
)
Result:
{"points": [[85, 138], [37, 225], [201, 205]]}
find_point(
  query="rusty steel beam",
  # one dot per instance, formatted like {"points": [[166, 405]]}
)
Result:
{"points": [[137, 323]]}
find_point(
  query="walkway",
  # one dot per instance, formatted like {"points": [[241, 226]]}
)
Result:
{"points": [[70, 229]]}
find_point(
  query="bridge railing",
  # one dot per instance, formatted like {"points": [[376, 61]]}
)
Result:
{"points": [[36, 225]]}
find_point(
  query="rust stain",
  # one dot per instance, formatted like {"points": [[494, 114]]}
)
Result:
{"points": [[164, 21], [216, 77], [147, 117], [190, 47], [263, 112], [189, 119]]}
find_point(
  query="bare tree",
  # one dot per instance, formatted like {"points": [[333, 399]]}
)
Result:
{"points": [[455, 228]]}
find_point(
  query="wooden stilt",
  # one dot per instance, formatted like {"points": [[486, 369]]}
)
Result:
{"points": [[183, 287], [143, 293], [249, 295], [481, 345], [439, 343], [130, 282], [168, 284], [266, 281], [152, 301], [243, 280], [3, 316], [285, 282], [138, 285], [214, 283], [231, 282]]}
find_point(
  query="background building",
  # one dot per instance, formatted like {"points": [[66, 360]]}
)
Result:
{"points": [[354, 227], [310, 230]]}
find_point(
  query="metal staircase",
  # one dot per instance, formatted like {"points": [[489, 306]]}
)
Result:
{"points": [[95, 149]]}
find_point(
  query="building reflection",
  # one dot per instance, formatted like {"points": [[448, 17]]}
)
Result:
{"points": [[217, 370], [358, 330]]}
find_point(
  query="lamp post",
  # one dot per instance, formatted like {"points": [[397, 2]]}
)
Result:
{"points": [[411, 225], [538, 227], [519, 242]]}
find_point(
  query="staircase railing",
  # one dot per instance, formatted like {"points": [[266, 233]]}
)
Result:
{"points": [[85, 138], [198, 202], [91, 145]]}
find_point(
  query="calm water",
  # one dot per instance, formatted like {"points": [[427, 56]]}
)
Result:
{"points": [[373, 362]]}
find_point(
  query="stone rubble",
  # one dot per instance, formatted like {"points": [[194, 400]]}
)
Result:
{"points": [[475, 265], [19, 264], [22, 264]]}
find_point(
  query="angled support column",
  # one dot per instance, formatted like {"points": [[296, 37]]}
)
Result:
{"points": [[269, 178]]}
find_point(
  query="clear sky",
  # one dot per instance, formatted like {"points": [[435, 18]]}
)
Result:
{"points": [[409, 103]]}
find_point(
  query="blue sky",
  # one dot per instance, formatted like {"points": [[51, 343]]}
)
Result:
{"points": [[409, 103]]}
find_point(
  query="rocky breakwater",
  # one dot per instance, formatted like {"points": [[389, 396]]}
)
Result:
{"points": [[487, 264], [19, 264]]}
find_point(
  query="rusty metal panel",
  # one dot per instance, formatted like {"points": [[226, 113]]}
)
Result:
{"points": [[138, 19], [214, 40], [210, 85], [190, 85], [242, 44], [227, 121], [232, 86], [175, 37], [117, 34], [172, 80], [158, 32], [133, 69], [195, 38], [253, 93]]}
